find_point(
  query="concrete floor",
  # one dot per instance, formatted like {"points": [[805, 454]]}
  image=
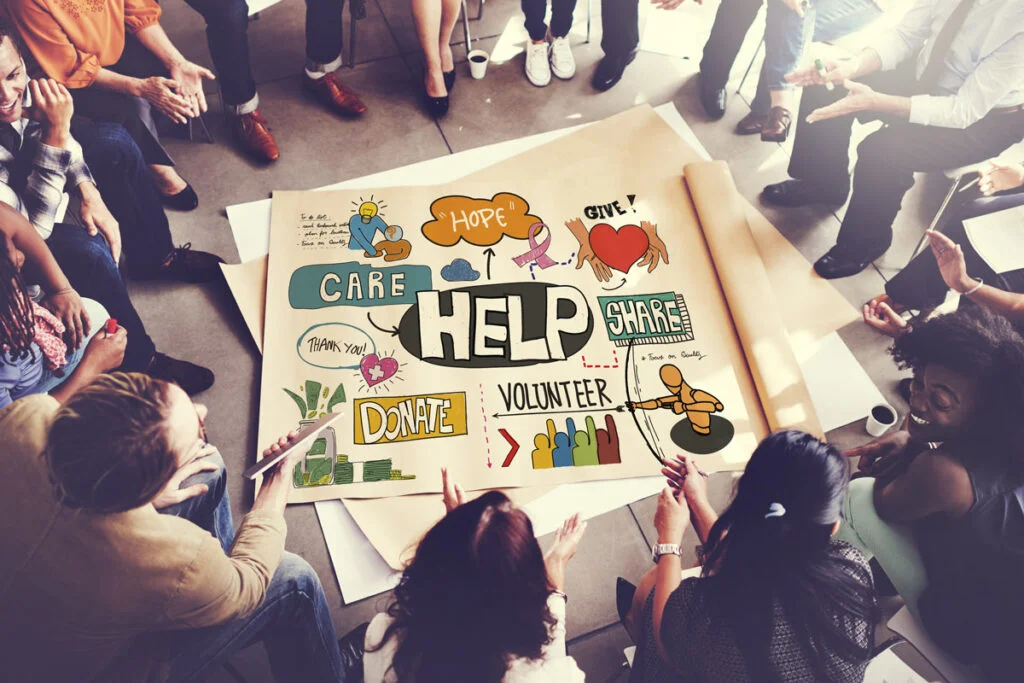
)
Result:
{"points": [[317, 148]]}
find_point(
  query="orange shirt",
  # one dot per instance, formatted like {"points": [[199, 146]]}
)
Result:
{"points": [[72, 39]]}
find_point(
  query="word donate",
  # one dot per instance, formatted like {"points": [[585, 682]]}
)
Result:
{"points": [[646, 318], [499, 325], [409, 418], [482, 222], [355, 284], [334, 346]]}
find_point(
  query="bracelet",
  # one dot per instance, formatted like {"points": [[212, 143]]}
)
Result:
{"points": [[973, 289], [561, 595]]}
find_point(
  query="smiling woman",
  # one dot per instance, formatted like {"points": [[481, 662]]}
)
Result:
{"points": [[944, 513]]}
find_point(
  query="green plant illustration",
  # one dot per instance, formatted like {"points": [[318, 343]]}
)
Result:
{"points": [[314, 400]]}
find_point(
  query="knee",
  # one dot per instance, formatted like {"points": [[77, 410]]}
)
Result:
{"points": [[860, 501], [215, 480], [877, 153], [226, 15], [297, 576]]}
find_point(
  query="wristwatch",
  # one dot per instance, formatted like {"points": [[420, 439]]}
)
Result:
{"points": [[659, 549]]}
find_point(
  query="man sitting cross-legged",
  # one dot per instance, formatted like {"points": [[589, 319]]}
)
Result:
{"points": [[97, 585]]}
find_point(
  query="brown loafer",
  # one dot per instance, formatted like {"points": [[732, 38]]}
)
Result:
{"points": [[253, 135], [335, 95], [776, 128], [751, 124]]}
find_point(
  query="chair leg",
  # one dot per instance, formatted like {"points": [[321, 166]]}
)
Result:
{"points": [[480, 11], [465, 26], [234, 673], [751, 65], [351, 42], [590, 7], [207, 137]]}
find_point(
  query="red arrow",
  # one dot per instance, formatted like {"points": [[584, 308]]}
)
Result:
{"points": [[511, 442]]}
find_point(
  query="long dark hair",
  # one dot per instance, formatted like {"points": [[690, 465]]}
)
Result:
{"points": [[17, 322], [474, 595], [979, 344], [760, 563]]}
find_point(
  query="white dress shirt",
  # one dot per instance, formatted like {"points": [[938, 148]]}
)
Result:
{"points": [[983, 70]]}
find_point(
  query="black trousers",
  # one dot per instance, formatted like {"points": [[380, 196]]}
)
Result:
{"points": [[920, 284], [887, 159], [620, 19], [732, 22], [561, 17]]}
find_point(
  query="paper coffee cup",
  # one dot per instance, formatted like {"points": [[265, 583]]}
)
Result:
{"points": [[478, 63], [880, 419]]}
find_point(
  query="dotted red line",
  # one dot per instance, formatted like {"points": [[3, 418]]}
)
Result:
{"points": [[615, 358], [483, 411]]}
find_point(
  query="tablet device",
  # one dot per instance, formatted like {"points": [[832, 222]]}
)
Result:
{"points": [[304, 439]]}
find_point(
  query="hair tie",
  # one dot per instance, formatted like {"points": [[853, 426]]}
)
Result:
{"points": [[775, 510]]}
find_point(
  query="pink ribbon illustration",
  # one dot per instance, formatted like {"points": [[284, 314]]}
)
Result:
{"points": [[537, 252]]}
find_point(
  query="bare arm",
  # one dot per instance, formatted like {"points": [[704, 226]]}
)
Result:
{"points": [[934, 482], [37, 255], [154, 39]]}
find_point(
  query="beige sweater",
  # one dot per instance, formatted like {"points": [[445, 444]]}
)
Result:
{"points": [[87, 597]]}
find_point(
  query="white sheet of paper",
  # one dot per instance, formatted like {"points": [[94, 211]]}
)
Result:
{"points": [[832, 359], [887, 667], [256, 6], [679, 32], [360, 569], [904, 624], [999, 238]]}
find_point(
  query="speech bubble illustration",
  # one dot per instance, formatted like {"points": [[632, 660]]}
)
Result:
{"points": [[334, 346], [482, 222]]}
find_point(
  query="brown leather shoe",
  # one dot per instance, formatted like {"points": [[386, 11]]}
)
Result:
{"points": [[334, 94], [776, 128], [751, 124], [253, 136]]}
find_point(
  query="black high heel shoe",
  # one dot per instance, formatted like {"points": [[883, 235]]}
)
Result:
{"points": [[624, 592], [435, 106], [449, 80]]}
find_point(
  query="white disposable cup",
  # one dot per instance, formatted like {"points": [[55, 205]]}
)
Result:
{"points": [[478, 66], [875, 426]]}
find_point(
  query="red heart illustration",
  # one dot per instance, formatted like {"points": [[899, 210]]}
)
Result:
{"points": [[621, 248]]}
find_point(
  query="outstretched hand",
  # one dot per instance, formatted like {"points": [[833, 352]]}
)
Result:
{"points": [[950, 258], [567, 542], [656, 250], [883, 318], [454, 496], [586, 254], [859, 97]]}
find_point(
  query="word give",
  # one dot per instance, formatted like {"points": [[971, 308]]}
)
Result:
{"points": [[573, 448], [355, 284], [409, 418], [499, 325], [646, 318]]}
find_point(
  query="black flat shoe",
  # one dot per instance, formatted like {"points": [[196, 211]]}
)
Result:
{"points": [[609, 71], [186, 200], [800, 193], [194, 379], [449, 80], [624, 592], [835, 264], [436, 106], [713, 99], [352, 649]]}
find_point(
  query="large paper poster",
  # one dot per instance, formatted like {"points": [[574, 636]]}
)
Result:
{"points": [[564, 323]]}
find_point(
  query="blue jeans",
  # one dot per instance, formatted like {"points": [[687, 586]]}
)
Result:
{"points": [[128, 191], [787, 35], [89, 266], [294, 621], [48, 381]]}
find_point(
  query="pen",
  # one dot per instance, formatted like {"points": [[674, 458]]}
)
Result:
{"points": [[820, 66], [110, 327], [970, 184]]}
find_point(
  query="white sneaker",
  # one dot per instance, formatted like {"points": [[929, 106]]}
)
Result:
{"points": [[538, 69], [563, 64]]}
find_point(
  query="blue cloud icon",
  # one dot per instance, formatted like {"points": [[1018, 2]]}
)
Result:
{"points": [[459, 270]]}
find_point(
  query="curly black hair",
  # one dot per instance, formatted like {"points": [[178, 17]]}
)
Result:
{"points": [[979, 344], [17, 322]]}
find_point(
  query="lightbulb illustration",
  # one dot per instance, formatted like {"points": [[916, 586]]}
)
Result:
{"points": [[367, 210]]}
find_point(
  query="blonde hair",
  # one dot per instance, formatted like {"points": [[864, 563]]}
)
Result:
{"points": [[108, 448]]}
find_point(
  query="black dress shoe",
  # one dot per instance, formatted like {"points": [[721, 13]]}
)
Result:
{"points": [[800, 193], [436, 106], [186, 200], [624, 592], [192, 378], [713, 99], [609, 70], [835, 264], [352, 648], [449, 80]]}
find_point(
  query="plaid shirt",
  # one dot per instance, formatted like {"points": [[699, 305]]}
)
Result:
{"points": [[49, 170]]}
